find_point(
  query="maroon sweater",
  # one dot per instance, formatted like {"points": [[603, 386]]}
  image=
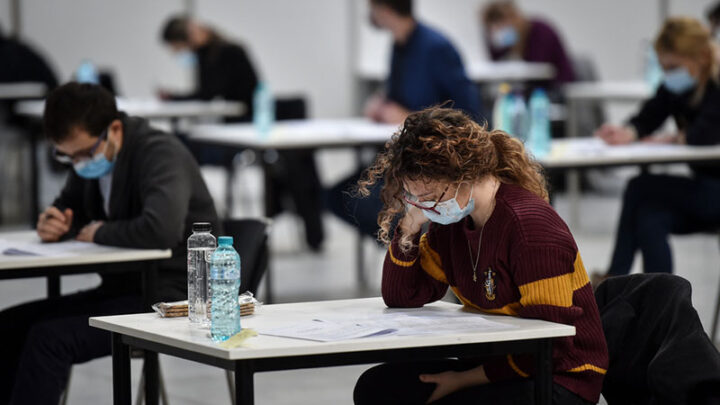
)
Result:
{"points": [[529, 267]]}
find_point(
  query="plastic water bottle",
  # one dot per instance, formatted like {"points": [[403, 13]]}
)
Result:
{"points": [[540, 138], [200, 245], [225, 288], [652, 71], [519, 120], [87, 73], [501, 117], [263, 109]]}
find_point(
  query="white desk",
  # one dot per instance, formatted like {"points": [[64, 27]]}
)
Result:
{"points": [[481, 72], [267, 353], [22, 90], [156, 109], [74, 262], [608, 91]]}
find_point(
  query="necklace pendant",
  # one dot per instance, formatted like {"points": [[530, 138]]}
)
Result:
{"points": [[489, 284], [474, 276]]}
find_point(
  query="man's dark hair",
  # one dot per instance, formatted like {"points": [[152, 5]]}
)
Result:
{"points": [[175, 29], [78, 105], [713, 13], [402, 7]]}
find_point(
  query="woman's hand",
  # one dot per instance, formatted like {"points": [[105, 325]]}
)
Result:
{"points": [[413, 221], [450, 381], [616, 135]]}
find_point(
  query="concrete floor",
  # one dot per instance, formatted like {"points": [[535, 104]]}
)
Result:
{"points": [[300, 275]]}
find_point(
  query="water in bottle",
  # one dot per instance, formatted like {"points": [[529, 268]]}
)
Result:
{"points": [[539, 140], [519, 120], [501, 108], [200, 245], [652, 71], [263, 109], [225, 287], [87, 73]]}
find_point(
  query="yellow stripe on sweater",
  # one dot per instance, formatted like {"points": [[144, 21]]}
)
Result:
{"points": [[399, 262], [557, 291], [430, 260], [588, 367], [512, 308], [515, 367]]}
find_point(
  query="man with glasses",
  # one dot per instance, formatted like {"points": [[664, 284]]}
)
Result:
{"points": [[131, 186]]}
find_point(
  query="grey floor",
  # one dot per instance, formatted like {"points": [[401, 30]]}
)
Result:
{"points": [[300, 275]]}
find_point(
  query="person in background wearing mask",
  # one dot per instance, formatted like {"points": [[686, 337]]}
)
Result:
{"points": [[425, 70], [494, 240], [654, 206], [509, 35], [223, 69], [132, 186]]}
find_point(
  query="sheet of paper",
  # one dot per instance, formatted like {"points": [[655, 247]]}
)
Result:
{"points": [[423, 321], [68, 248]]}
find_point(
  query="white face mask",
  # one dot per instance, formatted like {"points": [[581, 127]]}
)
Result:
{"points": [[448, 211]]}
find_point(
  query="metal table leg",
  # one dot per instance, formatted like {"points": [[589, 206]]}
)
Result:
{"points": [[121, 371], [151, 369], [244, 390], [53, 286], [543, 375]]}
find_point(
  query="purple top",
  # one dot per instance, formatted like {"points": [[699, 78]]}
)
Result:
{"points": [[543, 44]]}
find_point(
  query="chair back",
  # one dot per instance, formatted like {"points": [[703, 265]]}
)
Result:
{"points": [[250, 240]]}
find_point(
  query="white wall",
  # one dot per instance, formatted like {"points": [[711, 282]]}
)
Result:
{"points": [[307, 46]]}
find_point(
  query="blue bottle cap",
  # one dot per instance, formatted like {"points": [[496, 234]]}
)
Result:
{"points": [[225, 241]]}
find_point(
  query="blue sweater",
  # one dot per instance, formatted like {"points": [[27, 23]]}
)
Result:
{"points": [[427, 70]]}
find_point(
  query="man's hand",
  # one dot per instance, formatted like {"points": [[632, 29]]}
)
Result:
{"points": [[53, 224], [615, 135], [450, 381], [87, 233], [393, 113]]}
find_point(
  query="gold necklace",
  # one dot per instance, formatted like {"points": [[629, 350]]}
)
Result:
{"points": [[477, 258]]}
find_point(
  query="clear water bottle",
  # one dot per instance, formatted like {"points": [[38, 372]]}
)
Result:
{"points": [[501, 118], [225, 288], [519, 119], [263, 109], [539, 140], [87, 73], [200, 246], [652, 72]]}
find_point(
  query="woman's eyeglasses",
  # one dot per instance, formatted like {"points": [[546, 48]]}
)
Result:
{"points": [[424, 205], [79, 156]]}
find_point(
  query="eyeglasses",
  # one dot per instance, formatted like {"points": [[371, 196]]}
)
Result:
{"points": [[424, 205], [81, 155]]}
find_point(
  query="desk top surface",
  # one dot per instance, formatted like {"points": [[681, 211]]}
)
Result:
{"points": [[608, 90], [152, 108], [480, 71], [69, 253], [17, 91], [178, 333]]}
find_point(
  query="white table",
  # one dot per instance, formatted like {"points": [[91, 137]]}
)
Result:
{"points": [[22, 90], [482, 72], [74, 262], [267, 353]]}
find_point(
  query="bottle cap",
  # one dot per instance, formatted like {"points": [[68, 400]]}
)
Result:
{"points": [[202, 227], [225, 241]]}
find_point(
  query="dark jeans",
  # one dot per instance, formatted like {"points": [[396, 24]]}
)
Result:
{"points": [[41, 341], [399, 384], [355, 210], [654, 206]]}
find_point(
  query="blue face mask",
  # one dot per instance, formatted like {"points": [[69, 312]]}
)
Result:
{"points": [[679, 81], [449, 211], [94, 168], [186, 59], [504, 37]]}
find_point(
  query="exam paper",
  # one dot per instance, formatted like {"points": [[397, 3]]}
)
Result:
{"points": [[421, 322], [67, 248]]}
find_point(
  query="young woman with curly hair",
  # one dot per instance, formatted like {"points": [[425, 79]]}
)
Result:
{"points": [[497, 244]]}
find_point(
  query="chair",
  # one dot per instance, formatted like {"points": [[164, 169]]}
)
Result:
{"points": [[658, 350], [716, 318], [250, 237]]}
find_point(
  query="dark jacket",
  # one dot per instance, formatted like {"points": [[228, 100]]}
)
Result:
{"points": [[700, 122], [157, 193], [659, 352], [20, 63], [224, 71]]}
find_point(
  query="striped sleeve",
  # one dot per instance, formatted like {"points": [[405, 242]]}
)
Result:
{"points": [[414, 278], [548, 278]]}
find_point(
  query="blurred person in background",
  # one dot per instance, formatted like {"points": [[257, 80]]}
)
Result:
{"points": [[510, 35], [654, 206], [425, 70]]}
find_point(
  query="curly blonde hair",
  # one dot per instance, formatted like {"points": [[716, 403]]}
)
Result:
{"points": [[446, 145]]}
